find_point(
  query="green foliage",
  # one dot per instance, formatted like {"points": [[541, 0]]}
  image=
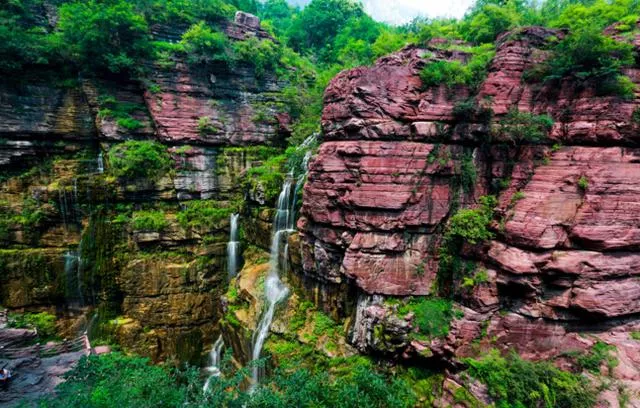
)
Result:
{"points": [[115, 380], [110, 107], [324, 325], [492, 20], [268, 177], [263, 55], [432, 316], [598, 354], [587, 55], [465, 226], [514, 382], [454, 73], [583, 183], [635, 335], [44, 323], [149, 221], [106, 36], [320, 21], [201, 214], [205, 45], [139, 159], [471, 225], [206, 126], [523, 127]]}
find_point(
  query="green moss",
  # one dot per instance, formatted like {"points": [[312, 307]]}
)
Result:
{"points": [[635, 335], [324, 325]]}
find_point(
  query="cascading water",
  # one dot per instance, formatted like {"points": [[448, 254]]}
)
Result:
{"points": [[72, 273], [214, 362], [100, 163], [274, 290], [283, 224], [232, 247]]}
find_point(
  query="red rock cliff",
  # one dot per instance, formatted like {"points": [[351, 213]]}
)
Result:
{"points": [[565, 259]]}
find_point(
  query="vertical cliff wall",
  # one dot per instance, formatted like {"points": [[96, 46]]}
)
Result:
{"points": [[398, 160]]}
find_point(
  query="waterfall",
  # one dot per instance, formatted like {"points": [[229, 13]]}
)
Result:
{"points": [[73, 279], [274, 290], [232, 247], [283, 224], [214, 362], [100, 163]]}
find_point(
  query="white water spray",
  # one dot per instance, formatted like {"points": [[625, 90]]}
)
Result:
{"points": [[232, 247], [100, 163], [274, 290], [214, 362], [283, 224]]}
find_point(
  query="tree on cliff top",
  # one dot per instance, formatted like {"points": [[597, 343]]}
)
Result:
{"points": [[104, 36]]}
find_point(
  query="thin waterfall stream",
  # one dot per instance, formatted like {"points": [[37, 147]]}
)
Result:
{"points": [[232, 247], [214, 362], [274, 289]]}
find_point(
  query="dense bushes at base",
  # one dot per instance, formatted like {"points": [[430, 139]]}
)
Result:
{"points": [[135, 159], [514, 382], [116, 380]]}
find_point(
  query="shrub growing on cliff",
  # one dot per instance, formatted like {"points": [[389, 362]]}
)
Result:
{"points": [[453, 73], [203, 214], [514, 382], [432, 316], [465, 226], [587, 55], [149, 221], [204, 45], [523, 127], [138, 159], [263, 55]]}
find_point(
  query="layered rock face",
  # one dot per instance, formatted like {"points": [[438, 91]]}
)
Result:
{"points": [[61, 241], [398, 160]]}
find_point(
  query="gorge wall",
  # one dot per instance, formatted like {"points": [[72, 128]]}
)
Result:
{"points": [[69, 237], [398, 160]]}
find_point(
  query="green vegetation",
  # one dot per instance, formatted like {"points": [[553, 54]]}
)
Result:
{"points": [[465, 226], [583, 183], [635, 335], [452, 73], [515, 382], [523, 127], [103, 36], [116, 380], [598, 354], [44, 323], [149, 221], [432, 316], [205, 45], [203, 214], [139, 159]]}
